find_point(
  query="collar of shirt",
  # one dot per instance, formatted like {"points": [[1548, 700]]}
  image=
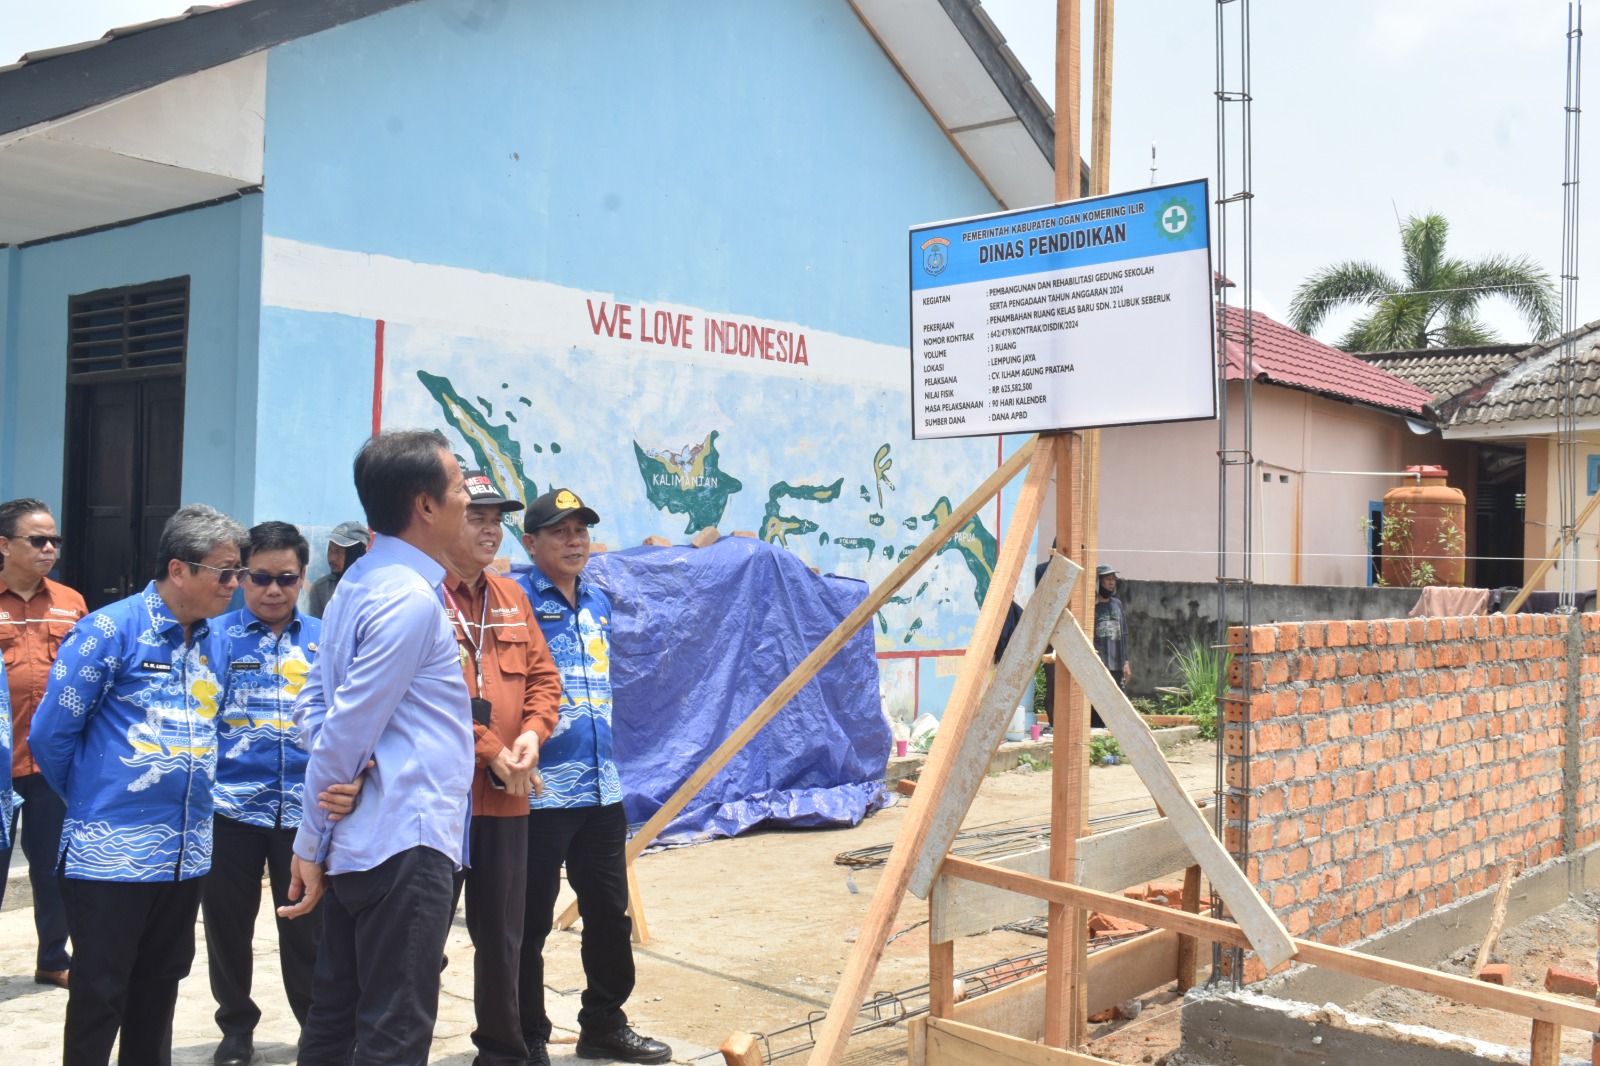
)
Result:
{"points": [[543, 584], [399, 551], [162, 621], [469, 597], [252, 622]]}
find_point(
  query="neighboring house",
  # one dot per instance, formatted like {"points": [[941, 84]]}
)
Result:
{"points": [[1509, 410], [656, 252], [1492, 474], [1331, 434]]}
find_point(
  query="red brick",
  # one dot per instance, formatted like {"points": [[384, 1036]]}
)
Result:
{"points": [[1496, 973]]}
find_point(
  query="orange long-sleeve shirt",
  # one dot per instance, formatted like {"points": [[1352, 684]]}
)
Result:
{"points": [[520, 680], [30, 632]]}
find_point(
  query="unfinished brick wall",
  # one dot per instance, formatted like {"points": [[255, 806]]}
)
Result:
{"points": [[1393, 764]]}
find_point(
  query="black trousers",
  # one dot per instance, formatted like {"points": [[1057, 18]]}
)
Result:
{"points": [[40, 822], [496, 888], [591, 841], [134, 941], [375, 996], [230, 902]]}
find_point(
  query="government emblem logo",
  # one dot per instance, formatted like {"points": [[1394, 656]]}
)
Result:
{"points": [[935, 255]]}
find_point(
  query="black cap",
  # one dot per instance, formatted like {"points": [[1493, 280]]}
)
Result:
{"points": [[481, 490], [555, 505]]}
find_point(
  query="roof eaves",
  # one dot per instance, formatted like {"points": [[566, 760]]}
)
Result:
{"points": [[988, 44], [56, 82]]}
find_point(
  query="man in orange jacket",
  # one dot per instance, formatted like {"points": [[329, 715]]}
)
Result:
{"points": [[516, 692]]}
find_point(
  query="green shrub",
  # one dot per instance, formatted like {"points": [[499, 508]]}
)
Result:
{"points": [[1102, 745], [1204, 670]]}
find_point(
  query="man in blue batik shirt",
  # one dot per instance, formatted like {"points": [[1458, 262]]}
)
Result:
{"points": [[579, 818], [386, 690], [126, 735], [260, 787], [8, 798]]}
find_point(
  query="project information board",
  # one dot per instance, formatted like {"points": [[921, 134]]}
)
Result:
{"points": [[1096, 312]]}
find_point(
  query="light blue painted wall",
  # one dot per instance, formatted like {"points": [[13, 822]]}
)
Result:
{"points": [[219, 248], [758, 157]]}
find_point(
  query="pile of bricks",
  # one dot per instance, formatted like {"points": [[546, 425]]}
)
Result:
{"points": [[1388, 765]]}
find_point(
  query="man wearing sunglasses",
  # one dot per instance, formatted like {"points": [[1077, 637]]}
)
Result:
{"points": [[126, 734], [35, 614], [260, 786]]}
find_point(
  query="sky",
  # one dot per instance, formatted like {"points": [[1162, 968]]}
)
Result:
{"points": [[1365, 112]]}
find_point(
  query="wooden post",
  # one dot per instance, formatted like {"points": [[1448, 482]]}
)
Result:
{"points": [[641, 928], [1550, 560], [742, 1049], [1187, 945], [941, 978], [813, 663], [1546, 1050], [947, 750], [1497, 917]]}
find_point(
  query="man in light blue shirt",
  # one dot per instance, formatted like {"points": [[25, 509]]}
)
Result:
{"points": [[386, 689]]}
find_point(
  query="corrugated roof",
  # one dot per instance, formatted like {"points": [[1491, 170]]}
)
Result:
{"points": [[1526, 386], [1286, 357], [116, 33], [1443, 371]]}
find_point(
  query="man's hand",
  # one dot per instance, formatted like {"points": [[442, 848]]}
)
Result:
{"points": [[516, 765], [306, 885], [1127, 673], [340, 800]]}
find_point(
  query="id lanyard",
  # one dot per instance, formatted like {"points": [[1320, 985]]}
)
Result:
{"points": [[466, 632]]}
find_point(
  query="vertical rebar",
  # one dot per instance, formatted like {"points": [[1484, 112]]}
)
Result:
{"points": [[1235, 436], [1567, 454]]}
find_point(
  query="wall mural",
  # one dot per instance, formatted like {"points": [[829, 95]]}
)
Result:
{"points": [[669, 448]]}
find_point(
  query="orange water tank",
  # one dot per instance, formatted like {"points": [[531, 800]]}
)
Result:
{"points": [[1424, 530]]}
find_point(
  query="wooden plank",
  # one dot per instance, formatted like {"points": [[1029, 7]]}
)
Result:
{"points": [[1546, 1045], [834, 1033], [641, 928], [813, 663], [1497, 918], [1109, 861], [1188, 946], [742, 1049], [987, 725], [1385, 971], [1266, 933], [954, 1044], [941, 978]]}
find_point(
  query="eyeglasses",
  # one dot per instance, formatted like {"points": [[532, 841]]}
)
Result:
{"points": [[285, 581], [225, 575], [39, 542]]}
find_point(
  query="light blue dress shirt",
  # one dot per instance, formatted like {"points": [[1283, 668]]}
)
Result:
{"points": [[387, 685]]}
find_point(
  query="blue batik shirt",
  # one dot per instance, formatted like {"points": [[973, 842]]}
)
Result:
{"points": [[577, 762], [261, 762], [126, 735], [8, 798]]}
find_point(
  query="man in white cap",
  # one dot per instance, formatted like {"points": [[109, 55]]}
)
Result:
{"points": [[347, 543]]}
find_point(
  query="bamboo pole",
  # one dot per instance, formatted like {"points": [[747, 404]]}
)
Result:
{"points": [[947, 750]]}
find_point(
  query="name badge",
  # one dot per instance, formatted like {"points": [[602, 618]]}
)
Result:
{"points": [[550, 616], [160, 668], [244, 665]]}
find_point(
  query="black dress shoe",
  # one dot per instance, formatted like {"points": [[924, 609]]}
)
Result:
{"points": [[236, 1049], [538, 1055], [622, 1044]]}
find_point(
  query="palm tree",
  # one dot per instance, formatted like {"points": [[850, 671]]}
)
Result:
{"points": [[1436, 304]]}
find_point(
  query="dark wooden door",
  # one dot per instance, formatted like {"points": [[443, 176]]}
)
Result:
{"points": [[124, 476]]}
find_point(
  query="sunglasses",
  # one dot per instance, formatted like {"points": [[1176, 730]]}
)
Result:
{"points": [[225, 575], [39, 542], [285, 581]]}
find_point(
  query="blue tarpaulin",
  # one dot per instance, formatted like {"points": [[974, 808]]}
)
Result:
{"points": [[700, 636]]}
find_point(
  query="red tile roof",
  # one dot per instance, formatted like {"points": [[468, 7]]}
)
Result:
{"points": [[1285, 357]]}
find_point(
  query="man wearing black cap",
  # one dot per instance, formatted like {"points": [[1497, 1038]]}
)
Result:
{"points": [[578, 819], [347, 543], [515, 690]]}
